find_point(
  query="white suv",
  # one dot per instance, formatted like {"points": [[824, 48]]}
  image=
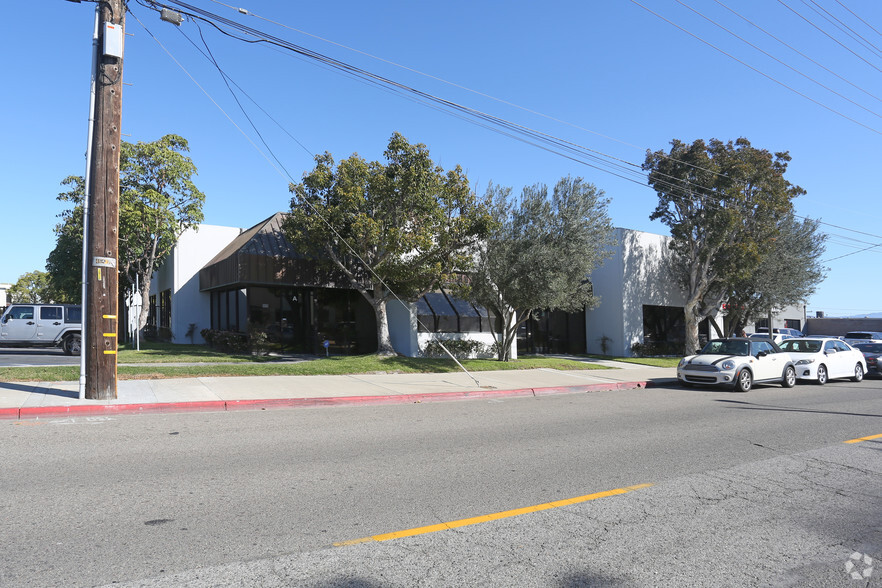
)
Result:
{"points": [[42, 325]]}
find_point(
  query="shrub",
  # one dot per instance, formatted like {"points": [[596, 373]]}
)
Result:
{"points": [[154, 333], [258, 341], [459, 348], [657, 348], [228, 341]]}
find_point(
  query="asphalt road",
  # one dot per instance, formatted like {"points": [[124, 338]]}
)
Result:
{"points": [[35, 356], [747, 489]]}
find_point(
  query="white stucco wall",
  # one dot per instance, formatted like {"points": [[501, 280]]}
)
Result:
{"points": [[637, 274], [180, 272], [403, 327], [606, 321]]}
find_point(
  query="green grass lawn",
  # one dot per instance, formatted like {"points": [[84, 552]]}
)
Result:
{"points": [[206, 363], [653, 361], [175, 353]]}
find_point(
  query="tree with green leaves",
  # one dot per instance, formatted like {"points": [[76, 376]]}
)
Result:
{"points": [[64, 264], [33, 287], [788, 273], [394, 229], [723, 203], [540, 254], [158, 202]]}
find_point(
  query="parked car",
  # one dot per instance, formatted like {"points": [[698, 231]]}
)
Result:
{"points": [[781, 331], [738, 362], [42, 325], [855, 337], [872, 352], [823, 359], [776, 337]]}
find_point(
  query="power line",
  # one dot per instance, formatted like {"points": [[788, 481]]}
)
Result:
{"points": [[853, 13], [765, 75], [831, 37], [798, 52], [770, 56], [844, 28]]}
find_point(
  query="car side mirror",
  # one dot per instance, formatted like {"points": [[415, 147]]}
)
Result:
{"points": [[830, 351], [762, 354]]}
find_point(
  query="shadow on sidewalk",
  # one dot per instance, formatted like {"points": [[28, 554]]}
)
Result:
{"points": [[40, 389]]}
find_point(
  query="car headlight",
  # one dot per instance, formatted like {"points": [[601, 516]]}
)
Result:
{"points": [[805, 361], [728, 365], [682, 363]]}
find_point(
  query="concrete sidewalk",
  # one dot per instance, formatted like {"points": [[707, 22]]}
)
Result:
{"points": [[27, 400]]}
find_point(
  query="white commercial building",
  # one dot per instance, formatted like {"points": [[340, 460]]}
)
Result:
{"points": [[231, 279]]}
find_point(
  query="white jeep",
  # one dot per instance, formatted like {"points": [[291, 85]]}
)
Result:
{"points": [[43, 325]]}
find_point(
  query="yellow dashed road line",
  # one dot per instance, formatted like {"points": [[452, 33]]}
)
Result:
{"points": [[870, 438], [491, 517]]}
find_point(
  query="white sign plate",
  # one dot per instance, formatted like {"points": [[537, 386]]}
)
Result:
{"points": [[103, 262]]}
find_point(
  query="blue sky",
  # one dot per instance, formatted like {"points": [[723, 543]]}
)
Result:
{"points": [[608, 76]]}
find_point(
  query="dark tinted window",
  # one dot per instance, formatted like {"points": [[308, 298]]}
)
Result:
{"points": [[841, 346], [724, 347], [50, 313], [801, 346], [870, 347], [21, 312], [74, 314], [762, 346]]}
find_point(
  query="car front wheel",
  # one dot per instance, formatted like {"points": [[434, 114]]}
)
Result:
{"points": [[858, 373], [743, 381], [789, 380], [822, 374]]}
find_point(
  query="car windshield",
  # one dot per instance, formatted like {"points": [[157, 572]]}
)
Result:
{"points": [[870, 347], [725, 347], [801, 346], [858, 335]]}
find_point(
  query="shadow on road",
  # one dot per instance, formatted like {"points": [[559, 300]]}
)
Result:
{"points": [[741, 404]]}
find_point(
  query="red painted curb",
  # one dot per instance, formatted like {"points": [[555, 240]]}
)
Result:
{"points": [[108, 409], [9, 413], [36, 412]]}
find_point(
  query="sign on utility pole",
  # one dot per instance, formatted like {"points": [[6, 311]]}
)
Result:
{"points": [[102, 278]]}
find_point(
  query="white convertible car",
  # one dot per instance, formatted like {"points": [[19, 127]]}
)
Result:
{"points": [[822, 359], [738, 362]]}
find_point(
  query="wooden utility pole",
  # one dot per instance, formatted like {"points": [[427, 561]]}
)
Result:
{"points": [[100, 341]]}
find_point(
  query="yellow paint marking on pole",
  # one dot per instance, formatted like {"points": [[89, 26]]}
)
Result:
{"points": [[491, 517], [110, 353], [870, 438], [110, 334], [109, 316]]}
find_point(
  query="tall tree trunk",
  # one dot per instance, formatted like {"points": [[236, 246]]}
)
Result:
{"points": [[384, 341], [145, 301], [691, 321], [378, 301]]}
